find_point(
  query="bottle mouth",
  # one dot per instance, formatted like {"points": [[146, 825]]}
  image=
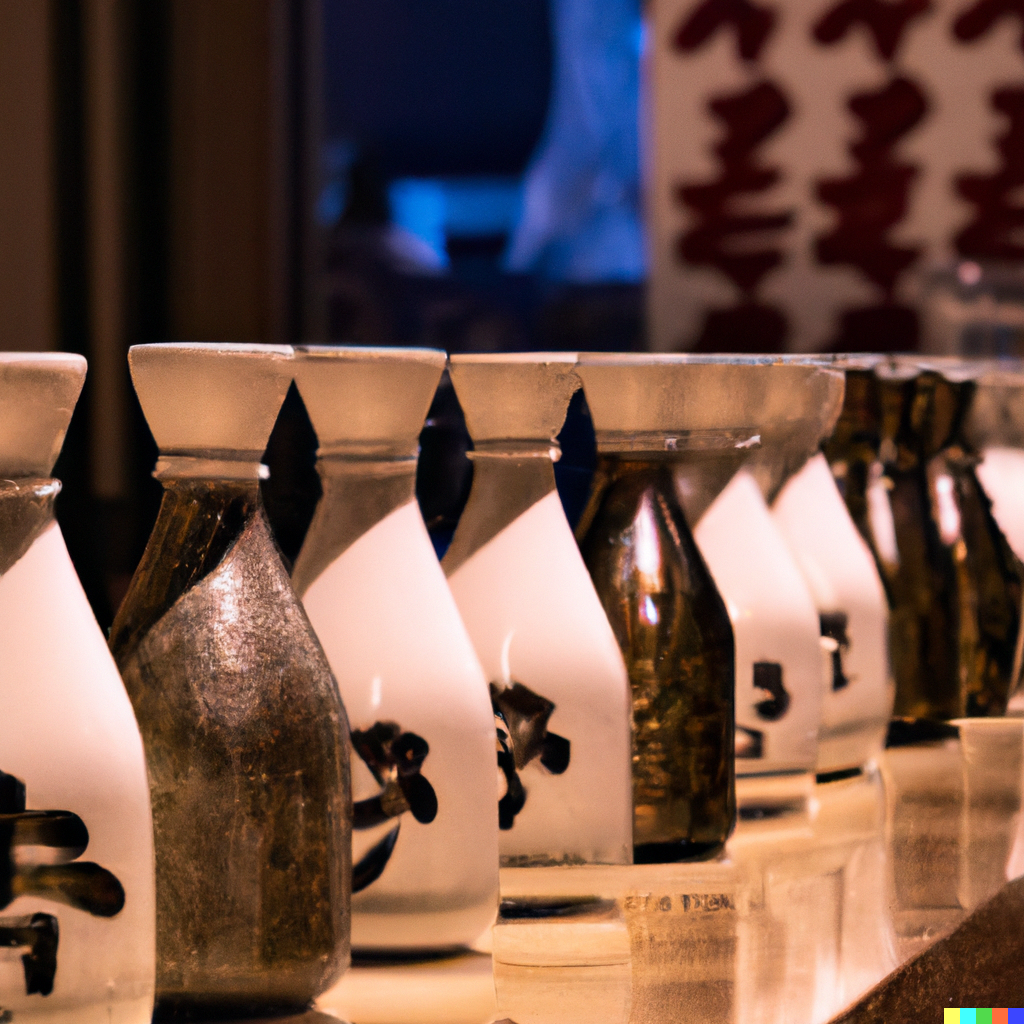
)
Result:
{"points": [[211, 464], [650, 442]]}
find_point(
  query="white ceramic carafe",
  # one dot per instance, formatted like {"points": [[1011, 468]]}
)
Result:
{"points": [[857, 690], [425, 845], [779, 665], [77, 903], [555, 671], [775, 623]]}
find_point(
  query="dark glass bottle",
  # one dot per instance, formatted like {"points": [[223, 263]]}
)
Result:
{"points": [[953, 584], [244, 731], [677, 641], [852, 450]]}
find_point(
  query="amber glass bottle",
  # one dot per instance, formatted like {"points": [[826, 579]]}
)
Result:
{"points": [[244, 731], [676, 638], [953, 584], [852, 450]]}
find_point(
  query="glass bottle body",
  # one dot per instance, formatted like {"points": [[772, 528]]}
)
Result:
{"points": [[246, 746], [952, 582], [675, 636]]}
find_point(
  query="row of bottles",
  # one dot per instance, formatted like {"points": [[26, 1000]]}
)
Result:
{"points": [[350, 752], [918, 458]]}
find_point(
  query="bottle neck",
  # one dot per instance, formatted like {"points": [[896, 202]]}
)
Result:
{"points": [[701, 462], [199, 521], [697, 476], [210, 466], [507, 482], [357, 494], [26, 509], [920, 418]]}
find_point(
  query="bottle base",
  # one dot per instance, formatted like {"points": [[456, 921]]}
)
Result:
{"points": [[199, 1010], [673, 853]]}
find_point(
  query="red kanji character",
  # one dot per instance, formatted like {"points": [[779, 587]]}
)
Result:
{"points": [[994, 232], [875, 198], [733, 240], [886, 21], [753, 26], [976, 21]]}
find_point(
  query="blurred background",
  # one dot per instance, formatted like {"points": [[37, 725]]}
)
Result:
{"points": [[723, 175]]}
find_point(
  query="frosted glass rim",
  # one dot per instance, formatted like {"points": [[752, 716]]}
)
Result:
{"points": [[215, 347], [59, 359], [676, 359], [956, 369], [514, 358], [370, 353]]}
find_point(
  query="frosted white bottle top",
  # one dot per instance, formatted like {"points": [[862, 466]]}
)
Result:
{"points": [[367, 400], [206, 397], [514, 396], [38, 394]]}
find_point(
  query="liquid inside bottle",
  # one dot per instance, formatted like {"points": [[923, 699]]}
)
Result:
{"points": [[674, 632]]}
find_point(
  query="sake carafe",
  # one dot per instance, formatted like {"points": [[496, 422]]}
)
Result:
{"points": [[857, 690], [245, 734], [774, 618], [556, 676], [952, 581], [661, 601], [836, 563], [425, 775], [76, 839]]}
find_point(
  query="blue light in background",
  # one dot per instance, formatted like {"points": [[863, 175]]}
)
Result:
{"points": [[436, 209], [418, 206]]}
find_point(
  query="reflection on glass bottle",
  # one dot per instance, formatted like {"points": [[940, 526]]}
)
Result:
{"points": [[243, 727], [953, 584], [675, 635]]}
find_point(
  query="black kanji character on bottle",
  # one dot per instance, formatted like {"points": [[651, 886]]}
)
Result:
{"points": [[79, 884], [395, 758], [522, 718]]}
